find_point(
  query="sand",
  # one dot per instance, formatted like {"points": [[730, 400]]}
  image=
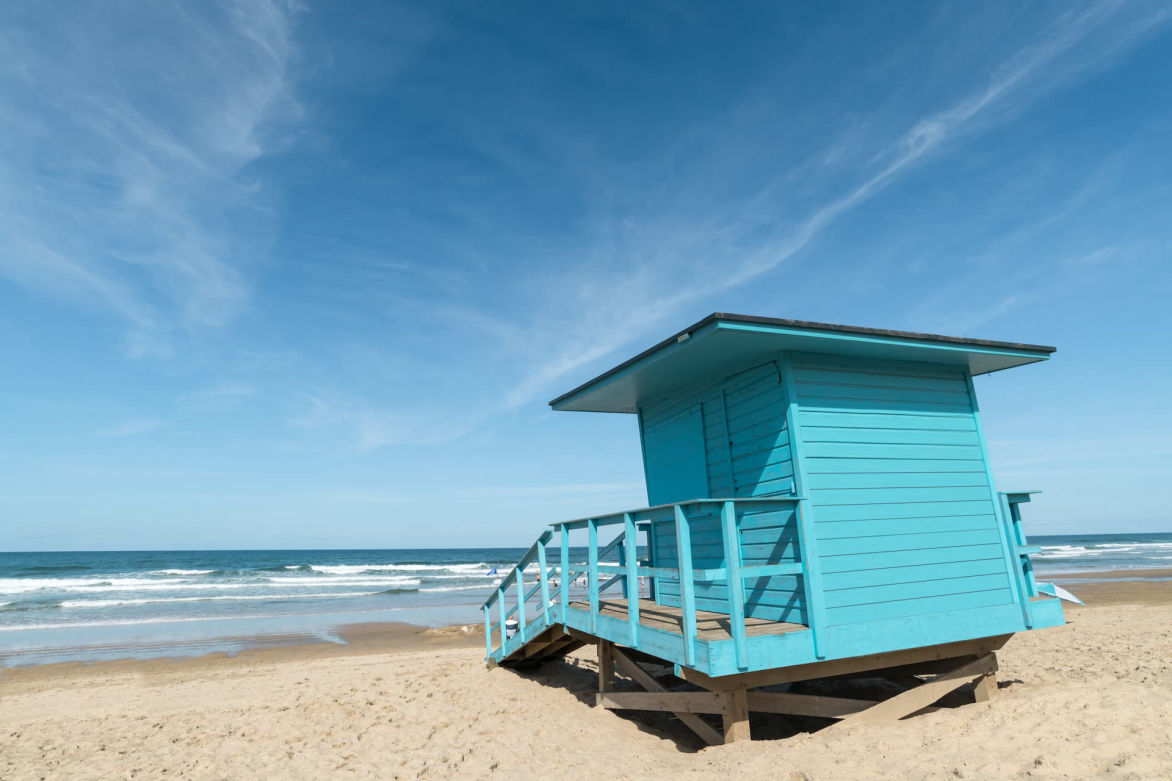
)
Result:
{"points": [[1087, 700]]}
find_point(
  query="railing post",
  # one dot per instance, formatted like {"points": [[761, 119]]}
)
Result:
{"points": [[1027, 566], [687, 585], [1018, 574], [500, 604], [564, 539], [488, 630], [736, 584], [812, 585], [521, 602], [592, 571], [544, 575], [631, 546]]}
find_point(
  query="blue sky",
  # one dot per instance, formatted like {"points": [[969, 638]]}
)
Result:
{"points": [[305, 275]]}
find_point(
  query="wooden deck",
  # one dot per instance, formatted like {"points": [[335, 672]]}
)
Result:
{"points": [[710, 627]]}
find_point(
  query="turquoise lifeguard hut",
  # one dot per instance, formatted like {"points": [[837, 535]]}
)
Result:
{"points": [[821, 503]]}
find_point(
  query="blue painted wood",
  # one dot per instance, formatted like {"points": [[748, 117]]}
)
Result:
{"points": [[543, 568], [592, 568], [687, 587], [811, 559], [521, 600], [736, 585], [893, 534], [564, 582], [632, 578], [488, 629]]}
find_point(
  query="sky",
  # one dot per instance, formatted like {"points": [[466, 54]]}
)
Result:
{"points": [[281, 275]]}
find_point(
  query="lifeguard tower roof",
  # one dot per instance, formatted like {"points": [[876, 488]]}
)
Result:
{"points": [[723, 342]]}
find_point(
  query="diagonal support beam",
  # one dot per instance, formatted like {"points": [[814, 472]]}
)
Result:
{"points": [[922, 696], [640, 676]]}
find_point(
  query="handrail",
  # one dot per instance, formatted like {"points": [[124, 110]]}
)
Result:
{"points": [[616, 518], [630, 570]]}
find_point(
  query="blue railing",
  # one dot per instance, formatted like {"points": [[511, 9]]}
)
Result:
{"points": [[555, 602]]}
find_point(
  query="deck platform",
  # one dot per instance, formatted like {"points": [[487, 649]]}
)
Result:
{"points": [[710, 627]]}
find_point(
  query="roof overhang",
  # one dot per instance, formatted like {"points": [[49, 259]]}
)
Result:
{"points": [[723, 344]]}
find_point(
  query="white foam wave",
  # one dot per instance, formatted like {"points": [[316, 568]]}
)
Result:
{"points": [[90, 603], [348, 569], [24, 585], [184, 571], [484, 587]]}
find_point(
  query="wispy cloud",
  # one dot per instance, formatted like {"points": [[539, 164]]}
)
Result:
{"points": [[124, 183], [218, 396], [131, 428], [671, 265]]}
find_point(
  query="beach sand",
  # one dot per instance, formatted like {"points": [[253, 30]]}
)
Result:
{"points": [[1090, 699]]}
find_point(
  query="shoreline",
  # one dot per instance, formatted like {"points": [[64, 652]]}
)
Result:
{"points": [[1097, 589]]}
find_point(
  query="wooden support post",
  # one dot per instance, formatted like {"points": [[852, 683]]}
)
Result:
{"points": [[985, 688], [640, 676], [605, 666], [736, 716]]}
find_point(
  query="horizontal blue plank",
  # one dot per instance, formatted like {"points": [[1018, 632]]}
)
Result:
{"points": [[872, 420], [830, 376], [856, 464], [749, 473], [845, 529], [872, 450], [833, 581], [862, 512], [837, 404], [914, 607], [895, 480], [828, 549], [862, 561], [917, 590], [888, 436], [943, 493], [957, 397]]}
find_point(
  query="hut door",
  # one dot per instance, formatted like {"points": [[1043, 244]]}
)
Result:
{"points": [[675, 459]]}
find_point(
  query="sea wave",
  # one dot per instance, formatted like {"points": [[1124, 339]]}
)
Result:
{"points": [[348, 569], [95, 603], [481, 587]]}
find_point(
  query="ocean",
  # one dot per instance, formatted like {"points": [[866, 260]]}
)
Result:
{"points": [[86, 606]]}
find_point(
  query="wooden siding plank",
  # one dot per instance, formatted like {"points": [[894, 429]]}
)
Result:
{"points": [[906, 542], [863, 512], [846, 529], [833, 497], [897, 480], [918, 607], [892, 465], [870, 420], [888, 436], [911, 574], [863, 561], [870, 595], [877, 451]]}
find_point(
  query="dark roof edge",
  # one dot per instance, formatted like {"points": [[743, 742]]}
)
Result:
{"points": [[757, 320]]}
